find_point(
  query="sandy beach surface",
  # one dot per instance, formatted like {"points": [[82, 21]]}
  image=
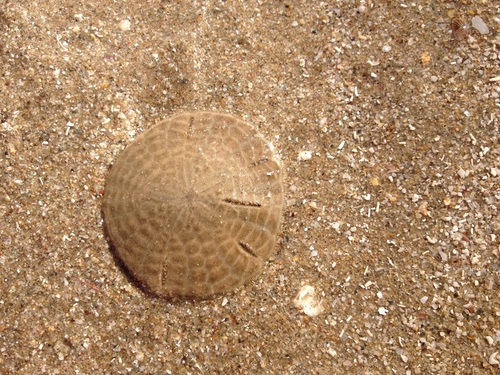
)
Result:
{"points": [[386, 117]]}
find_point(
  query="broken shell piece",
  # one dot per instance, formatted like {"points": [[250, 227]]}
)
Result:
{"points": [[305, 155], [382, 311], [308, 301], [492, 360], [459, 30]]}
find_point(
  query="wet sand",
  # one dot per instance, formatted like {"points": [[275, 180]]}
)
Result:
{"points": [[387, 125]]}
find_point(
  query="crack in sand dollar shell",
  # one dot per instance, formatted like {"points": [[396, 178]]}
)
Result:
{"points": [[193, 206]]}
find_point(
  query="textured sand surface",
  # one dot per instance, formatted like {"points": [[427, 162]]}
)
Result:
{"points": [[388, 128]]}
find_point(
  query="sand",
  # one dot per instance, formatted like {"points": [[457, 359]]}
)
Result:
{"points": [[387, 125]]}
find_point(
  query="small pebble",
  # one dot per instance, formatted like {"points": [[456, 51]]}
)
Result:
{"points": [[479, 25], [304, 155], [332, 352], [124, 25]]}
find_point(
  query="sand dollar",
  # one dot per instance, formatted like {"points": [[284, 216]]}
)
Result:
{"points": [[193, 206]]}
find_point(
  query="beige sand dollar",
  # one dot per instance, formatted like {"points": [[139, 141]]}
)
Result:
{"points": [[193, 206]]}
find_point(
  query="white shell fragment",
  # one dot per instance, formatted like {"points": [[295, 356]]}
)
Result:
{"points": [[124, 25], [462, 173], [479, 25], [492, 360], [382, 311], [305, 155], [308, 301]]}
